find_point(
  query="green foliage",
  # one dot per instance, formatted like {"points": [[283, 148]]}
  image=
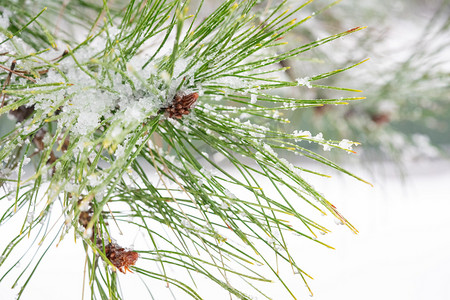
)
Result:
{"points": [[93, 118]]}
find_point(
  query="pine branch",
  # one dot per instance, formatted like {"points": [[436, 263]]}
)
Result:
{"points": [[121, 126]]}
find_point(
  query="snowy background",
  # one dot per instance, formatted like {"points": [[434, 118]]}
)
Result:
{"points": [[401, 252]]}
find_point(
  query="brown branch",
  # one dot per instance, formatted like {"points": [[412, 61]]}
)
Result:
{"points": [[18, 73], [8, 79]]}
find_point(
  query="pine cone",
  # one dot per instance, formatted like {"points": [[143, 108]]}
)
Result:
{"points": [[181, 105], [119, 257]]}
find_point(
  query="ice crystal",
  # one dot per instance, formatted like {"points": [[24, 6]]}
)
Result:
{"points": [[88, 233], [346, 144], [304, 81], [84, 205], [318, 137], [224, 205], [4, 18], [326, 147], [229, 194]]}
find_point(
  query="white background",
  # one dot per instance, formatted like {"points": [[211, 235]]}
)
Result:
{"points": [[401, 252]]}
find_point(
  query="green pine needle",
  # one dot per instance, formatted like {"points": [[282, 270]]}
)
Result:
{"points": [[97, 126]]}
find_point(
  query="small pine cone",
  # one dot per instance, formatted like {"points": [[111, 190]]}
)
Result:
{"points": [[121, 258], [22, 112], [181, 105], [85, 216]]}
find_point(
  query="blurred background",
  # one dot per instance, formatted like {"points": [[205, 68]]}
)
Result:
{"points": [[406, 82], [402, 250]]}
